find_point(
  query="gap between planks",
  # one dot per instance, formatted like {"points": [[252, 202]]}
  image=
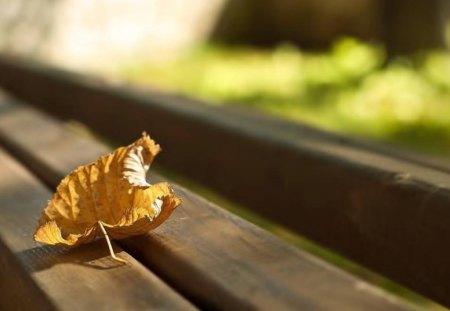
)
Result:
{"points": [[378, 209], [209, 255], [83, 278]]}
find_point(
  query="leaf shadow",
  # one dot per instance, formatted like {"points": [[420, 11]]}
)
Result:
{"points": [[94, 255]]}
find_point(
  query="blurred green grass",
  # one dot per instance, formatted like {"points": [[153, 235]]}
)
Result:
{"points": [[352, 88]]}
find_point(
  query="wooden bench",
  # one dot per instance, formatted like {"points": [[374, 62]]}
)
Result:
{"points": [[354, 199]]}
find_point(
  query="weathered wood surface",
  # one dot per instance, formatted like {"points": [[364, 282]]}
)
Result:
{"points": [[378, 209], [216, 259], [36, 277]]}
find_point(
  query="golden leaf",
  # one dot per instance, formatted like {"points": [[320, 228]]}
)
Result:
{"points": [[109, 197]]}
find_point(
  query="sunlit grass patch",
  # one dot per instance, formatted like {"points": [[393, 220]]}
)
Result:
{"points": [[351, 88]]}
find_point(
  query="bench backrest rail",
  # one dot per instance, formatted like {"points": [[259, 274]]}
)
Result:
{"points": [[384, 212]]}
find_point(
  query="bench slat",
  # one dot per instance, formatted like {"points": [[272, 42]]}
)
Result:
{"points": [[384, 210], [217, 259], [36, 277]]}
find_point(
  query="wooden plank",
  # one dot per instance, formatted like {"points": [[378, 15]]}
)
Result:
{"points": [[386, 213], [89, 89], [35, 277], [217, 259]]}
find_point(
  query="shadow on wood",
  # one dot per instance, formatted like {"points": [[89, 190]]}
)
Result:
{"points": [[95, 256]]}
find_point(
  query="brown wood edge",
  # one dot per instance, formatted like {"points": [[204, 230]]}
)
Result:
{"points": [[198, 109], [194, 276], [38, 277], [387, 214], [20, 292]]}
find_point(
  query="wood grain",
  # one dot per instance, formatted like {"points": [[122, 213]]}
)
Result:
{"points": [[385, 209], [36, 277], [216, 259]]}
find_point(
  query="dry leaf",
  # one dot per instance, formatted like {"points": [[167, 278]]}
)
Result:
{"points": [[109, 197]]}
